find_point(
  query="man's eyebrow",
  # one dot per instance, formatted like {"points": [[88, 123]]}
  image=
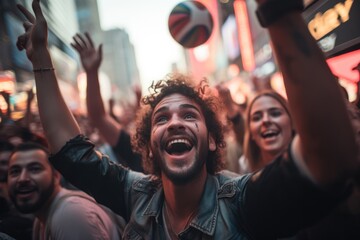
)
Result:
{"points": [[189, 106], [162, 109], [27, 165]]}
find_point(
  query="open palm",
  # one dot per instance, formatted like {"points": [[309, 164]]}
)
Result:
{"points": [[90, 57]]}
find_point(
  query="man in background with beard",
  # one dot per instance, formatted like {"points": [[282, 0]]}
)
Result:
{"points": [[12, 223], [34, 187]]}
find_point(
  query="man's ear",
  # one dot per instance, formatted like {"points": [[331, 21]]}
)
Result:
{"points": [[57, 176], [212, 144]]}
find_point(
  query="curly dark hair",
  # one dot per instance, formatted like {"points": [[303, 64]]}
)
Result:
{"points": [[209, 104]]}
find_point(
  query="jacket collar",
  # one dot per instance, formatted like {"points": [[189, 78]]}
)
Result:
{"points": [[205, 219]]}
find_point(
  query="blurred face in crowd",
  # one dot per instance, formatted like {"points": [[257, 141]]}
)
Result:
{"points": [[180, 140], [270, 125], [4, 162], [32, 182]]}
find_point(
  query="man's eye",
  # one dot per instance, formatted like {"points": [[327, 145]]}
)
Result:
{"points": [[161, 119], [189, 116], [35, 169], [14, 172]]}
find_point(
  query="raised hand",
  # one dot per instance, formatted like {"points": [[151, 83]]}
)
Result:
{"points": [[34, 40], [138, 93], [6, 96], [30, 95], [224, 94], [90, 57]]}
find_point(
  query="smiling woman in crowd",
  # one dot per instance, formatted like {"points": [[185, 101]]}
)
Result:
{"points": [[268, 130]]}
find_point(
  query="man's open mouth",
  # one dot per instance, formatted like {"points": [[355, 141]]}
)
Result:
{"points": [[25, 190], [178, 146]]}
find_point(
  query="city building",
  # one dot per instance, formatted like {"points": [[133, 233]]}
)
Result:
{"points": [[119, 61]]}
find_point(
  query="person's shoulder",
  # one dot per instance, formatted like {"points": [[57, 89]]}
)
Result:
{"points": [[75, 206], [146, 183], [4, 236], [226, 175], [227, 178], [77, 213]]}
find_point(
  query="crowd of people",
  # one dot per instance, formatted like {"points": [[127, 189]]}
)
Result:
{"points": [[167, 172]]}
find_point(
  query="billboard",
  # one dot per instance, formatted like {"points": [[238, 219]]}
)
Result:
{"points": [[334, 24], [230, 38]]}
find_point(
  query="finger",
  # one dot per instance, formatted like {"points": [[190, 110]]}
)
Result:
{"points": [[37, 10], [100, 52], [76, 46], [27, 25], [78, 43], [26, 13], [20, 43], [90, 41], [82, 41]]}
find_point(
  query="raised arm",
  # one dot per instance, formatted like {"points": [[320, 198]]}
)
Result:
{"points": [[6, 97], [58, 122], [28, 114], [357, 100], [326, 139], [91, 59], [233, 113]]}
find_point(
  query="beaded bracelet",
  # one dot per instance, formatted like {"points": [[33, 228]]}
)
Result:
{"points": [[43, 69]]}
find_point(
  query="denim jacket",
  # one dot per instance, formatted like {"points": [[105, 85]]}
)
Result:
{"points": [[230, 208]]}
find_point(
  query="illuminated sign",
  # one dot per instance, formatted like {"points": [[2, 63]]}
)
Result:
{"points": [[323, 23], [334, 24], [230, 38], [244, 34]]}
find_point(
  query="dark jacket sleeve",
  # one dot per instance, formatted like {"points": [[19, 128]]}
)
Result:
{"points": [[125, 154], [92, 172]]}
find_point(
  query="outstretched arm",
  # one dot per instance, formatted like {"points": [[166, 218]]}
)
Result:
{"points": [[233, 113], [58, 122], [6, 97], [357, 100], [91, 59], [28, 114], [326, 139]]}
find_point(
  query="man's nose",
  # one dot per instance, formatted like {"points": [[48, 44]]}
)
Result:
{"points": [[175, 124], [24, 176]]}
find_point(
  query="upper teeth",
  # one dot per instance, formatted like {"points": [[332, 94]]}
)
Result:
{"points": [[269, 132], [179, 141]]}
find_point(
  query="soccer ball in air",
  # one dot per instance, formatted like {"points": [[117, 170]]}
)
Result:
{"points": [[190, 24]]}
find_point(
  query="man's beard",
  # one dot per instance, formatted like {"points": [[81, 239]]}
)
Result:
{"points": [[34, 207], [184, 177]]}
